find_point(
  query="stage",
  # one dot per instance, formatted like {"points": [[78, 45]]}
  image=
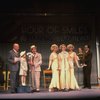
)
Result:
{"points": [[44, 94]]}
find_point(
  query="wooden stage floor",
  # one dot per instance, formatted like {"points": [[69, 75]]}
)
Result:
{"points": [[44, 94]]}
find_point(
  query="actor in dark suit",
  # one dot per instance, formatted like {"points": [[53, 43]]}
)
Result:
{"points": [[13, 63], [87, 67]]}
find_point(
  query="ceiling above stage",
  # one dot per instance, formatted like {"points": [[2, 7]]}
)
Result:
{"points": [[15, 13], [50, 6]]}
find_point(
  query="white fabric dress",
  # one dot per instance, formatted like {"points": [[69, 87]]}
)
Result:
{"points": [[23, 67], [71, 59], [64, 67], [55, 73]]}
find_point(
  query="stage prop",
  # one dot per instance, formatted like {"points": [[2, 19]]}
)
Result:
{"points": [[23, 89]]}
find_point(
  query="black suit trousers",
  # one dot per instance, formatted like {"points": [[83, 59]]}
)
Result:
{"points": [[87, 76]]}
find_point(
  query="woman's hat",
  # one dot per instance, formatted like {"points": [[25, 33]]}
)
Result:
{"points": [[22, 53]]}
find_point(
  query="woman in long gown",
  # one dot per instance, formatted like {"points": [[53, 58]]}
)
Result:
{"points": [[64, 68], [53, 64], [72, 59]]}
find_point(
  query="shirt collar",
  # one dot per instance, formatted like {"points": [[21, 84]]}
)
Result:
{"points": [[15, 51]]}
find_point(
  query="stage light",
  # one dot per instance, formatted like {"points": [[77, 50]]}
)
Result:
{"points": [[45, 14]]}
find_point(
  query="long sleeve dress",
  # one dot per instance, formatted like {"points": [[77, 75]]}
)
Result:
{"points": [[55, 73]]}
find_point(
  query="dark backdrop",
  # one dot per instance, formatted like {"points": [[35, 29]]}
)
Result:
{"points": [[43, 23]]}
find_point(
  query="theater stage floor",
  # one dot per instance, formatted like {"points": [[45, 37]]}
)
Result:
{"points": [[44, 94]]}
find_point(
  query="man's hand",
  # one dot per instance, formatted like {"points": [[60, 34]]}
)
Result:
{"points": [[31, 63], [14, 62]]}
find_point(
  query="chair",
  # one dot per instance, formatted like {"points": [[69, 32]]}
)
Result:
{"points": [[8, 79], [46, 72], [4, 79]]}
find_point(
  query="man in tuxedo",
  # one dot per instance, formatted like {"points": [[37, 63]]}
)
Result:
{"points": [[13, 64], [87, 67]]}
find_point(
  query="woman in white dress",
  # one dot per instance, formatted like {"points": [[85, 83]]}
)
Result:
{"points": [[64, 68], [72, 59], [23, 68], [53, 64]]}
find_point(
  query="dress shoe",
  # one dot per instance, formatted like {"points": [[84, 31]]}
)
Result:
{"points": [[65, 90], [51, 90], [13, 92], [37, 90], [33, 91], [23, 84], [71, 89], [84, 87], [55, 89], [89, 87]]}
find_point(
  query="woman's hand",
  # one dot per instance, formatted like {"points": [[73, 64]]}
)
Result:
{"points": [[58, 69], [48, 68]]}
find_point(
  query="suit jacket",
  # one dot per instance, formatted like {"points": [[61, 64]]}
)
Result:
{"points": [[13, 66], [88, 58], [37, 62]]}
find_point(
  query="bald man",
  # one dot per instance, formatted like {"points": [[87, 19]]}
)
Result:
{"points": [[13, 64]]}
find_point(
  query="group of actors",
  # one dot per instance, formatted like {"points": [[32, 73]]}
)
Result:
{"points": [[21, 64], [63, 64], [62, 61]]}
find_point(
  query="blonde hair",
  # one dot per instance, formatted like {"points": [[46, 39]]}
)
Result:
{"points": [[60, 47], [70, 46], [53, 46]]}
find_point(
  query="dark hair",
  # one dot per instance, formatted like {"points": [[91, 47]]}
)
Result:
{"points": [[80, 47]]}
